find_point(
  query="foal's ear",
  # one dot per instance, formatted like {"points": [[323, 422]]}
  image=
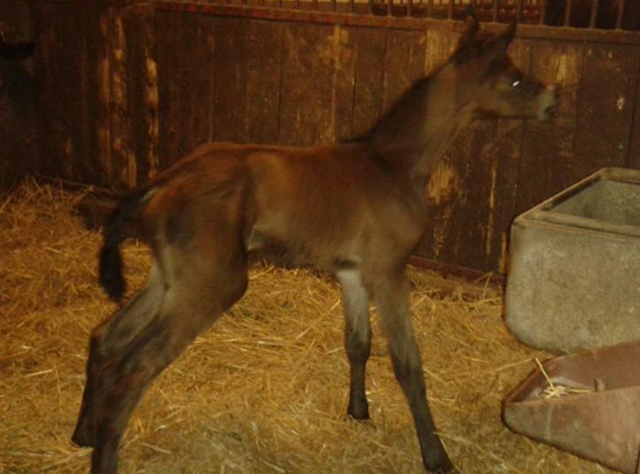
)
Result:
{"points": [[494, 50], [501, 42], [471, 27], [467, 46], [508, 35]]}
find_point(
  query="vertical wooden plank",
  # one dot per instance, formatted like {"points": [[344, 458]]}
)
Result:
{"points": [[142, 90], [368, 47], [343, 83], [98, 96], [405, 57], [79, 124], [123, 156], [184, 44], [35, 118], [230, 80], [441, 45], [44, 98], [194, 83], [549, 162], [64, 55], [205, 78], [166, 25], [306, 96], [18, 133], [633, 159], [263, 62], [605, 106]]}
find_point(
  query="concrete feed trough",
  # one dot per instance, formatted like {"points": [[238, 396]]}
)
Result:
{"points": [[574, 274], [586, 403]]}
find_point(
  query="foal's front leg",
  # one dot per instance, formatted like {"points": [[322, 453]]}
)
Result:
{"points": [[357, 339], [391, 293]]}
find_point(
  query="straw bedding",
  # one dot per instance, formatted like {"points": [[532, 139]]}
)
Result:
{"points": [[263, 391]]}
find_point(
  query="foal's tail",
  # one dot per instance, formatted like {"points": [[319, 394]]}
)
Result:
{"points": [[110, 267]]}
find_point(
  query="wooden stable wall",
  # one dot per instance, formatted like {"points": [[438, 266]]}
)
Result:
{"points": [[18, 136], [125, 90]]}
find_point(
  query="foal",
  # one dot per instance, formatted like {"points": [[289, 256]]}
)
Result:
{"points": [[354, 209]]}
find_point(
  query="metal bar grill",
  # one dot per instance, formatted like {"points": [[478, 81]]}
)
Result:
{"points": [[543, 9], [621, 4], [567, 13], [583, 14], [594, 12]]}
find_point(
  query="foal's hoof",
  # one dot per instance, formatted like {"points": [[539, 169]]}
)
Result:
{"points": [[444, 466], [82, 438], [359, 415], [358, 409], [450, 469]]}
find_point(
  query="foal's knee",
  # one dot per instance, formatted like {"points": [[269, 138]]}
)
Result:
{"points": [[358, 348]]}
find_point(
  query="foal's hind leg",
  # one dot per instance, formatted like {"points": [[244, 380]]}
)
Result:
{"points": [[194, 299], [357, 339], [108, 337], [391, 293]]}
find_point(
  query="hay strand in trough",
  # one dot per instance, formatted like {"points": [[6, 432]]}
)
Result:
{"points": [[265, 389]]}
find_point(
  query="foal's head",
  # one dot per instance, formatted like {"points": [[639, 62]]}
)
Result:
{"points": [[494, 85]]}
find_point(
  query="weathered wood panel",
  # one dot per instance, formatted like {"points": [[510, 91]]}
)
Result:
{"points": [[343, 83], [166, 23], [185, 68], [593, 125], [404, 63], [605, 105], [61, 41], [307, 102], [19, 137], [230, 76], [263, 78], [97, 96], [126, 90], [548, 162], [633, 160], [142, 92], [122, 155], [369, 54]]}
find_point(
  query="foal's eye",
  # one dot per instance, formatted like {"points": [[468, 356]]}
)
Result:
{"points": [[516, 83]]}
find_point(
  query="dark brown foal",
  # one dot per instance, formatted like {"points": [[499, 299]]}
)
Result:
{"points": [[354, 209]]}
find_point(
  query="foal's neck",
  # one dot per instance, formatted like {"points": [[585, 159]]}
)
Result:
{"points": [[414, 134]]}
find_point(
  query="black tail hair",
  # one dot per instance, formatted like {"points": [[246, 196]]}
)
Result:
{"points": [[110, 267]]}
